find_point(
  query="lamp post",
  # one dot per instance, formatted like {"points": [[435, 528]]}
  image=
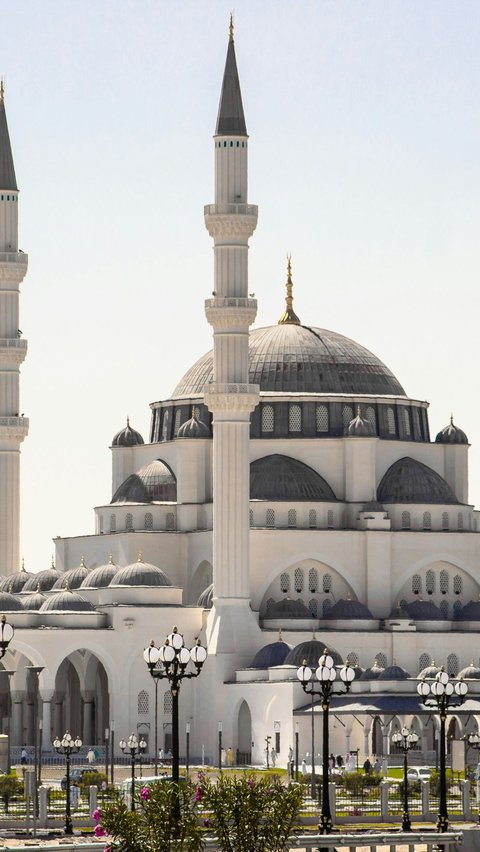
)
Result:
{"points": [[187, 748], [267, 749], [296, 751], [67, 746], [474, 742], [156, 726], [170, 661], [112, 752], [220, 732], [6, 635], [107, 741], [134, 747], [405, 740], [326, 675], [439, 694]]}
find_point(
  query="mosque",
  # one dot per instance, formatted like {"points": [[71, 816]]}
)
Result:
{"points": [[289, 498]]}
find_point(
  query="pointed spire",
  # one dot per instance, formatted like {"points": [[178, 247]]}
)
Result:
{"points": [[7, 170], [289, 316], [231, 119]]}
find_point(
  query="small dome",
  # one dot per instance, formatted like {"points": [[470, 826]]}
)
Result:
{"points": [[140, 573], [471, 672], [14, 583], [399, 611], [45, 579], [154, 481], [33, 600], [394, 672], [469, 612], [9, 603], [421, 610], [372, 673], [194, 428], [360, 427], [66, 601], [429, 672], [311, 651], [451, 434], [73, 578], [273, 654], [206, 598], [347, 608], [127, 437], [410, 481], [288, 608], [278, 477], [100, 577]]}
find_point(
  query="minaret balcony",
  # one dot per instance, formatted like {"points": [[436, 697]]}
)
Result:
{"points": [[231, 220], [231, 210], [231, 397], [15, 428], [13, 349], [230, 312], [14, 257]]}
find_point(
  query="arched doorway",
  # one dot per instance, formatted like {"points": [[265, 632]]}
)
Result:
{"points": [[81, 699], [244, 735], [377, 738]]}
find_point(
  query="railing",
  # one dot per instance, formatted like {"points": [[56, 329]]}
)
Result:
{"points": [[227, 302], [14, 421], [229, 387], [222, 209], [12, 343], [13, 257]]}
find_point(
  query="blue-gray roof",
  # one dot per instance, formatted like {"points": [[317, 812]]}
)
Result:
{"points": [[154, 481], [140, 574], [231, 118], [410, 481], [346, 608], [206, 598], [273, 654], [423, 610], [127, 437], [311, 651], [279, 477], [288, 608]]}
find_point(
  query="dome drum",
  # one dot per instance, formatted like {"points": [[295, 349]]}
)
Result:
{"points": [[167, 419]]}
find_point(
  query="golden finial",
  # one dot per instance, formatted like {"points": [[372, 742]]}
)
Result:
{"points": [[110, 558], [67, 586], [82, 563], [280, 637], [23, 564], [38, 586], [451, 418], [289, 316], [140, 557], [2, 91], [313, 636], [230, 28], [53, 562], [10, 588], [359, 413], [194, 413], [128, 421]]}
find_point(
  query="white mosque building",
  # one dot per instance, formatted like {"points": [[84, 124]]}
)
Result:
{"points": [[289, 498]]}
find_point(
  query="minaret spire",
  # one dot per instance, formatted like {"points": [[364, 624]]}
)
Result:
{"points": [[7, 170], [231, 118], [289, 316]]}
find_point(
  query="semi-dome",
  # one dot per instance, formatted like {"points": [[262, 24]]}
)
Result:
{"points": [[394, 672], [100, 577], [194, 428], [9, 603], [311, 651], [127, 437], [44, 580], [273, 654], [421, 610], [347, 608], [410, 481], [451, 434], [471, 672], [373, 672], [73, 578], [66, 601], [206, 598], [469, 612], [287, 608], [140, 573], [360, 427], [279, 477], [154, 481], [290, 357]]}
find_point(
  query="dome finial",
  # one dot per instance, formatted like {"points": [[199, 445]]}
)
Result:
{"points": [[289, 316], [53, 561], [230, 28], [128, 421]]}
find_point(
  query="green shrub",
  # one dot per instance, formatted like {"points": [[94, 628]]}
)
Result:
{"points": [[356, 782], [92, 779], [9, 786]]}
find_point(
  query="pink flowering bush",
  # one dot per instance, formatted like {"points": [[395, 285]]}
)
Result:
{"points": [[145, 793]]}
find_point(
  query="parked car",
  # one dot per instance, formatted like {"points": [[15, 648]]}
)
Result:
{"points": [[76, 776], [419, 773]]}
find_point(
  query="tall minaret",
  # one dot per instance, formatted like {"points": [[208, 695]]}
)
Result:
{"points": [[231, 221], [13, 348]]}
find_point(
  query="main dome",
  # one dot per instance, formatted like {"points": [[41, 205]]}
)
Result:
{"points": [[296, 358]]}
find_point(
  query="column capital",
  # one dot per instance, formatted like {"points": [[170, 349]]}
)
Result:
{"points": [[47, 694], [88, 695]]}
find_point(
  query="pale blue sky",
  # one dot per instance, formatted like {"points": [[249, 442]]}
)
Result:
{"points": [[364, 122]]}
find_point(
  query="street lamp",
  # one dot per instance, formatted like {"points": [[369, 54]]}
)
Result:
{"points": [[187, 748], [170, 661], [267, 749], [326, 675], [296, 751], [439, 694], [474, 742], [6, 635], [220, 734], [67, 746], [405, 740], [134, 747]]}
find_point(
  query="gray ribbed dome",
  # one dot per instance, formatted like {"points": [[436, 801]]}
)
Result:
{"points": [[360, 428], [66, 601], [429, 672], [73, 578], [311, 651], [14, 583], [33, 600], [100, 577], [194, 428], [471, 672], [153, 482], [372, 673], [127, 437], [274, 654], [288, 608], [9, 603], [278, 477], [206, 598], [424, 611], [45, 579], [394, 673], [346, 608], [410, 481], [140, 574], [469, 612], [287, 358], [451, 434]]}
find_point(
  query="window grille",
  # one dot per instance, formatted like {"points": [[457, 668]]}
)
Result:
{"points": [[444, 608], [460, 521], [269, 605], [424, 660], [391, 421], [427, 521], [430, 582], [176, 425], [416, 584], [445, 521], [327, 583], [457, 608], [170, 521], [330, 519], [270, 518], [352, 658], [165, 425], [113, 523], [292, 518], [452, 665], [312, 519], [444, 582], [298, 580], [129, 521], [326, 607], [457, 585], [294, 418], [313, 580], [268, 419], [321, 414], [347, 415], [371, 416], [167, 703], [406, 421], [313, 607], [381, 660], [142, 702], [250, 515], [284, 583], [406, 523]]}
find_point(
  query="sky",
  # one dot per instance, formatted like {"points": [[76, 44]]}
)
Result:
{"points": [[364, 126]]}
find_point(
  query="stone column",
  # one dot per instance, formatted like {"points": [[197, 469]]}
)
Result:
{"points": [[88, 699], [58, 720], [46, 695], [17, 697]]}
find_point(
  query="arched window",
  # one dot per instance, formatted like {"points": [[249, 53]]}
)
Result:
{"points": [[445, 521], [250, 516], [269, 605], [166, 414], [284, 582], [294, 418], [457, 585], [268, 418], [430, 582], [452, 665], [347, 415], [170, 521], [142, 702], [416, 584], [129, 521], [406, 421], [327, 583], [381, 660], [330, 520], [326, 607], [444, 582], [313, 580], [167, 703], [406, 523], [178, 419], [113, 523], [321, 415], [298, 580], [313, 607], [312, 519], [270, 519], [427, 521], [460, 521], [292, 518], [391, 428], [444, 608], [148, 522], [100, 524], [371, 416], [424, 660], [352, 658], [457, 608]]}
